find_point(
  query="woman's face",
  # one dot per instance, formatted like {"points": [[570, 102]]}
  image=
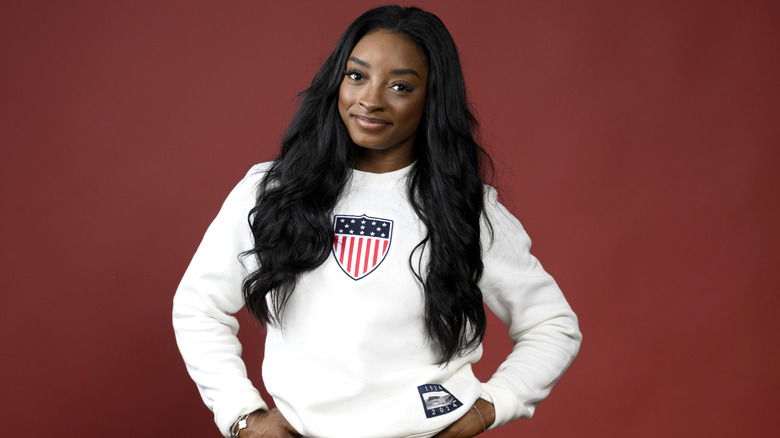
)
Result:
{"points": [[382, 97]]}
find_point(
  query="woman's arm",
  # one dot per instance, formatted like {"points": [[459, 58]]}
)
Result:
{"points": [[268, 424], [541, 324], [478, 419], [203, 307]]}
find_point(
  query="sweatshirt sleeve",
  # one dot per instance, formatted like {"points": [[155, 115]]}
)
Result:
{"points": [[203, 307], [541, 324]]}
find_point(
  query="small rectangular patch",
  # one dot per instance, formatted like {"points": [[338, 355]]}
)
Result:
{"points": [[437, 400]]}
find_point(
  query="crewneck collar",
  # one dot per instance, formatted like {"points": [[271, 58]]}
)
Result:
{"points": [[369, 179]]}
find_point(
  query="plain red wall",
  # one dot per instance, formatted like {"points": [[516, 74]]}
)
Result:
{"points": [[636, 140]]}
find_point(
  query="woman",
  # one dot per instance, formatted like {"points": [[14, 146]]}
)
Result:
{"points": [[368, 248]]}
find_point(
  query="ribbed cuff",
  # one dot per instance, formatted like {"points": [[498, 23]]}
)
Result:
{"points": [[240, 403], [505, 403]]}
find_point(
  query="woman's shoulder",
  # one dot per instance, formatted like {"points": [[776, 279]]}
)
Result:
{"points": [[245, 192], [490, 193], [259, 170], [255, 174], [497, 215]]}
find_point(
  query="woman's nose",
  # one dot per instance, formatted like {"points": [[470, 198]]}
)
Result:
{"points": [[372, 98]]}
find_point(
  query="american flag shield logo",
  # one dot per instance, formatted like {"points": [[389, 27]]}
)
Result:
{"points": [[361, 243]]}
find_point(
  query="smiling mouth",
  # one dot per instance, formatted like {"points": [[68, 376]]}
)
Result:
{"points": [[369, 123]]}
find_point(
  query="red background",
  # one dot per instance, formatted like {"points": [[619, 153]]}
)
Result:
{"points": [[637, 141]]}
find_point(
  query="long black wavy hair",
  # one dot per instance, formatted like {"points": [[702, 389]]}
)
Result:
{"points": [[291, 221]]}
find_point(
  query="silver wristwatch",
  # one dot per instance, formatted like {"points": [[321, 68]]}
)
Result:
{"points": [[239, 424]]}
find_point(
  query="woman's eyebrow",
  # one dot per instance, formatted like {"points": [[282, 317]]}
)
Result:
{"points": [[405, 71], [359, 62], [402, 71]]}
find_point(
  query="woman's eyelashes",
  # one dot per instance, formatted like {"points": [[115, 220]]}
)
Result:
{"points": [[354, 75], [400, 87]]}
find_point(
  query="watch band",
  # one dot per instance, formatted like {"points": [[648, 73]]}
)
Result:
{"points": [[239, 424]]}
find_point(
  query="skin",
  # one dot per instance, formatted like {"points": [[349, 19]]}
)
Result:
{"points": [[382, 98], [470, 424], [270, 424], [381, 102]]}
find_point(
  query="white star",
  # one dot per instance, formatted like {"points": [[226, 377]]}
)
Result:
{"points": [[353, 221]]}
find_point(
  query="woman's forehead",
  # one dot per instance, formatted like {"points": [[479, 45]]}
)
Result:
{"points": [[382, 47]]}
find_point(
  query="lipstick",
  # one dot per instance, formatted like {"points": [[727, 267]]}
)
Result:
{"points": [[370, 123]]}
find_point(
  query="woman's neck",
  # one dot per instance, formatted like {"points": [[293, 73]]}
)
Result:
{"points": [[370, 161]]}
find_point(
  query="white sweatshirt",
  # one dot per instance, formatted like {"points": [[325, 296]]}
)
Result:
{"points": [[352, 358]]}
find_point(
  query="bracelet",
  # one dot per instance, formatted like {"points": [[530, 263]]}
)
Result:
{"points": [[480, 417], [239, 424]]}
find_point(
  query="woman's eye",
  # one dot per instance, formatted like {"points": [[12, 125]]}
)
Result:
{"points": [[402, 88], [353, 75]]}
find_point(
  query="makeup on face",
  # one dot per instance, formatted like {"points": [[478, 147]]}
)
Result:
{"points": [[382, 97]]}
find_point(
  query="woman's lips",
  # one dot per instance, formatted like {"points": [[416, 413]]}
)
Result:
{"points": [[370, 123]]}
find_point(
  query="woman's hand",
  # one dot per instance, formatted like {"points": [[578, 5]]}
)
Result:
{"points": [[271, 424], [470, 424]]}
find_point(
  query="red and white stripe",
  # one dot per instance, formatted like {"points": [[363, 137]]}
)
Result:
{"points": [[359, 255]]}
